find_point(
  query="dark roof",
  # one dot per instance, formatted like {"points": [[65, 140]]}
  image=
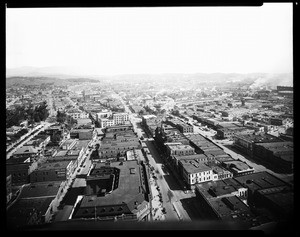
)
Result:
{"points": [[41, 189], [20, 213], [231, 208], [193, 166], [218, 188], [53, 165], [260, 180], [129, 185]]}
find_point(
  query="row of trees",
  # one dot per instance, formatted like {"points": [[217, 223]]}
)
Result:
{"points": [[30, 113]]}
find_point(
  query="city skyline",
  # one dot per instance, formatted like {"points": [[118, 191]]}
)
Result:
{"points": [[110, 41]]}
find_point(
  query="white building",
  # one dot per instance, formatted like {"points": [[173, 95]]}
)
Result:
{"points": [[195, 172], [120, 118], [106, 122]]}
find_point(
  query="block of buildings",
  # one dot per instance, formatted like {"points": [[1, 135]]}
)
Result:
{"points": [[266, 191], [117, 191]]}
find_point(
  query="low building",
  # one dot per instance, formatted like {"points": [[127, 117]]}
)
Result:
{"points": [[36, 205], [53, 171], [268, 191], [25, 151], [245, 142], [238, 167], [68, 144], [82, 134], [221, 188], [179, 149], [194, 172], [20, 168], [279, 154]]}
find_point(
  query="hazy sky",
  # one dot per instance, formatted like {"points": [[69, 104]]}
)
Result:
{"points": [[152, 40]]}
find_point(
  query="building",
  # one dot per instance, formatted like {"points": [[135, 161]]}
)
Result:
{"points": [[82, 134], [20, 168], [120, 118], [53, 171], [36, 205], [151, 123], [194, 172], [259, 181], [179, 149], [77, 114], [116, 191], [176, 158], [278, 154], [238, 167], [221, 188], [245, 142], [68, 144], [106, 122], [266, 191], [25, 151]]}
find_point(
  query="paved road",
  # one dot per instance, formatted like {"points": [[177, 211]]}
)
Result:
{"points": [[165, 180]]}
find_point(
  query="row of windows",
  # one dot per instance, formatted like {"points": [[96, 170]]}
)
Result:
{"points": [[19, 174]]}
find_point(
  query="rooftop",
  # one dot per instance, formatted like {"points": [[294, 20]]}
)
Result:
{"points": [[237, 165], [260, 180], [194, 166], [259, 138], [129, 185], [25, 150], [53, 165], [218, 188], [20, 213], [40, 189], [231, 208]]}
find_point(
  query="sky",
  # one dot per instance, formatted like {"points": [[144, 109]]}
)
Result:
{"points": [[106, 41]]}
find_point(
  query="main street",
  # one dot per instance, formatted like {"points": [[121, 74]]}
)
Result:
{"points": [[165, 180]]}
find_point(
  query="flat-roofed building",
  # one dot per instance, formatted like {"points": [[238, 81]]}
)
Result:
{"points": [[36, 205], [195, 172], [259, 181], [68, 144], [278, 154], [179, 149], [128, 197], [246, 142], [53, 171], [268, 191], [238, 167], [120, 118]]}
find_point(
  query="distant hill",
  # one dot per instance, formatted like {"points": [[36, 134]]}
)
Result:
{"points": [[64, 75], [45, 80]]}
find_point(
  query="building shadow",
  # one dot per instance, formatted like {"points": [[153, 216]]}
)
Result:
{"points": [[172, 182]]}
